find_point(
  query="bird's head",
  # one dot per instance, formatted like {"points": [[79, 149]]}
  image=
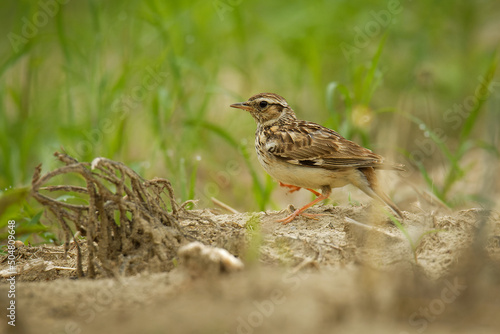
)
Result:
{"points": [[266, 108]]}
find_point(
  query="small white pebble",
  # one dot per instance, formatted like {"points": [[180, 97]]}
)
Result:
{"points": [[201, 259]]}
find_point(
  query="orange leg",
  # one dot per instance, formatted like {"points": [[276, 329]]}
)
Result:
{"points": [[314, 191], [292, 188], [297, 212], [295, 188]]}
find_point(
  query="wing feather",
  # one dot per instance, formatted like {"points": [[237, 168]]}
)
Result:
{"points": [[310, 144]]}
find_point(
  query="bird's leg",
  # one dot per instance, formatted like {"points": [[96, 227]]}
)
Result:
{"points": [[295, 188], [325, 194], [314, 191], [291, 187]]}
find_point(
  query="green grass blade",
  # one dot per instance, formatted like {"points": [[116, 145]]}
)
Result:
{"points": [[332, 88], [474, 114], [192, 179], [435, 138], [403, 230], [261, 192], [371, 79], [252, 254]]}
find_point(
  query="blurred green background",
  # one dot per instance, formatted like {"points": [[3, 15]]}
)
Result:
{"points": [[149, 83]]}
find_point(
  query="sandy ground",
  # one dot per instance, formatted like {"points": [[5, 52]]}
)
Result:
{"points": [[349, 271]]}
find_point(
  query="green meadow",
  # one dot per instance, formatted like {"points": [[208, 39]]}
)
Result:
{"points": [[149, 83]]}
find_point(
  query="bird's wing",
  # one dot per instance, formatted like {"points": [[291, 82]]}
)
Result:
{"points": [[310, 144]]}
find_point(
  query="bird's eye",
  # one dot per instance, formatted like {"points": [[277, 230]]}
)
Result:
{"points": [[263, 104]]}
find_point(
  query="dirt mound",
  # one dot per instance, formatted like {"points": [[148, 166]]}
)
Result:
{"points": [[350, 270]]}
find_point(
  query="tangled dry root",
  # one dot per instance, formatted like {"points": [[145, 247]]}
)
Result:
{"points": [[128, 225]]}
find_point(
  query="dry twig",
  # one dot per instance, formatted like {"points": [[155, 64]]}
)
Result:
{"points": [[127, 222]]}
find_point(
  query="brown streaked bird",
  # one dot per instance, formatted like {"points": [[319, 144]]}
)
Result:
{"points": [[301, 154]]}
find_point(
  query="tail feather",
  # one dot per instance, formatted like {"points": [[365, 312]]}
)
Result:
{"points": [[382, 196], [391, 166], [372, 189]]}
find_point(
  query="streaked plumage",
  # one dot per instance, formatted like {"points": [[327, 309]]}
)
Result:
{"points": [[308, 155]]}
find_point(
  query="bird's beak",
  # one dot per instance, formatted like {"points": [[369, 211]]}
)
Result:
{"points": [[241, 105]]}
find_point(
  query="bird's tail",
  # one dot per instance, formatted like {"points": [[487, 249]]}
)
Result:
{"points": [[372, 188], [382, 196], [391, 166]]}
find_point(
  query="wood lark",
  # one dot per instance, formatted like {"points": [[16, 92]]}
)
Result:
{"points": [[301, 154]]}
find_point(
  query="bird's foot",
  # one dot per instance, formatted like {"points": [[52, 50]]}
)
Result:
{"points": [[289, 218], [297, 212]]}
